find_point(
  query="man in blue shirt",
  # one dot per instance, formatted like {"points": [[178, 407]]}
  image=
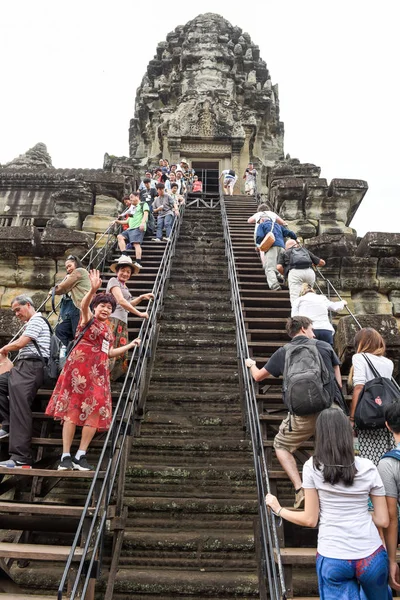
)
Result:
{"points": [[271, 256]]}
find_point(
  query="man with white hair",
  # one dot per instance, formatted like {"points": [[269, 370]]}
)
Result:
{"points": [[18, 387], [295, 263]]}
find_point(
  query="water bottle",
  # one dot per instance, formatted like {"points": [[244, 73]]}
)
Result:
{"points": [[356, 445], [63, 352]]}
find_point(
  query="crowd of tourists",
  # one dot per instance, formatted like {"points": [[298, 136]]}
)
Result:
{"points": [[351, 485]]}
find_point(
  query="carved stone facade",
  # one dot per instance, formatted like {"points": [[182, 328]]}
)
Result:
{"points": [[207, 94]]}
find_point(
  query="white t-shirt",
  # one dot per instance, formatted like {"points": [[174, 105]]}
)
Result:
{"points": [[346, 529], [315, 307], [362, 372]]}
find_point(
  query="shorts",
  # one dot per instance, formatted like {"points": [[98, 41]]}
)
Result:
{"points": [[302, 429], [133, 236], [229, 182]]}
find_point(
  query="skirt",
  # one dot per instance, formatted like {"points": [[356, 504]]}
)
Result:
{"points": [[119, 365]]}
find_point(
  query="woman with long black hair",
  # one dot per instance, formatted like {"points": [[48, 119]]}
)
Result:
{"points": [[352, 564]]}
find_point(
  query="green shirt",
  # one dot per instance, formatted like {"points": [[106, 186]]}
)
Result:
{"points": [[135, 221]]}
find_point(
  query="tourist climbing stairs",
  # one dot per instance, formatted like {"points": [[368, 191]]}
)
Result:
{"points": [[190, 488], [265, 313], [41, 508]]}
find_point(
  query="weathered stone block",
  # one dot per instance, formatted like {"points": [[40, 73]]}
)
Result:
{"points": [[349, 194], [359, 273], [303, 228], [327, 246], [9, 325], [69, 220], [331, 271], [13, 239], [331, 227], [58, 242], [35, 272], [107, 205], [8, 270], [389, 274], [316, 191], [394, 298], [370, 302], [385, 324], [96, 223], [78, 199], [379, 244]]}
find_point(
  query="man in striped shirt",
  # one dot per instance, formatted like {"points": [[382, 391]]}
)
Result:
{"points": [[19, 386]]}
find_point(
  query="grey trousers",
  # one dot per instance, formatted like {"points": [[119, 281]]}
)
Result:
{"points": [[296, 278], [18, 389], [270, 262]]}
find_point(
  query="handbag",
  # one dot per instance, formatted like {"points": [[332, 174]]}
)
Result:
{"points": [[267, 242], [375, 396]]}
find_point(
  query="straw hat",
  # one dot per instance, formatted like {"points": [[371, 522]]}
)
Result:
{"points": [[184, 161], [123, 261]]}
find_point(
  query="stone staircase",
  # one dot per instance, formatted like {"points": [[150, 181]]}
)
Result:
{"points": [[190, 484]]}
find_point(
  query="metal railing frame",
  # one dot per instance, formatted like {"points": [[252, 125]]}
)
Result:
{"points": [[273, 569], [116, 438]]}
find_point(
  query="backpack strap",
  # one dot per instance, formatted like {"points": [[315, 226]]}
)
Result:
{"points": [[392, 454], [34, 342], [371, 366], [80, 336]]}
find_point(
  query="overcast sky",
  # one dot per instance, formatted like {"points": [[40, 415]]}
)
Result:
{"points": [[70, 71]]}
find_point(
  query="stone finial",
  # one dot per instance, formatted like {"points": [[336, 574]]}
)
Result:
{"points": [[35, 158]]}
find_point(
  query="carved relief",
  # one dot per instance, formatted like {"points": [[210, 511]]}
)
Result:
{"points": [[205, 148]]}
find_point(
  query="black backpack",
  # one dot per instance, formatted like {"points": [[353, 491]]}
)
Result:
{"points": [[299, 258], [151, 222], [375, 395], [51, 366], [308, 386], [231, 172]]}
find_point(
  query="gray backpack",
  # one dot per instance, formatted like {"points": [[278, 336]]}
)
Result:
{"points": [[308, 386]]}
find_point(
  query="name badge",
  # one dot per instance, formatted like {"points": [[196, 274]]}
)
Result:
{"points": [[105, 346]]}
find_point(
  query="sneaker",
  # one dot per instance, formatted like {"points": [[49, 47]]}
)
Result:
{"points": [[137, 264], [166, 239], [157, 240], [65, 464], [81, 464], [3, 434], [299, 500], [14, 464]]}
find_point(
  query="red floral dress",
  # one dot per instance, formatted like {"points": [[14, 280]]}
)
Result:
{"points": [[82, 394]]}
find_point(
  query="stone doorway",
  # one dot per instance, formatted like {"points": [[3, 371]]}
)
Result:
{"points": [[208, 173]]}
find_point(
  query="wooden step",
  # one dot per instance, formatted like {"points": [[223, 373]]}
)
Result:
{"points": [[37, 551], [39, 508], [49, 473], [25, 597]]}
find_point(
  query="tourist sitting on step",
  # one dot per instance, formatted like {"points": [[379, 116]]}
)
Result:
{"points": [[73, 287], [166, 210], [82, 396], [19, 386], [197, 186], [370, 352], [389, 470], [263, 214], [271, 256], [295, 263], [116, 286], [229, 180], [311, 368], [351, 560], [137, 228], [315, 307], [250, 176]]}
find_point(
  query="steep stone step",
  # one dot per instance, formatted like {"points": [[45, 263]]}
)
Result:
{"points": [[152, 584], [193, 450]]}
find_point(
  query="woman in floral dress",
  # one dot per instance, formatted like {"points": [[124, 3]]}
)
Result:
{"points": [[82, 395]]}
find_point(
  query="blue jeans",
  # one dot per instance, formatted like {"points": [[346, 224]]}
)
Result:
{"points": [[65, 331], [363, 579], [325, 335], [166, 222]]}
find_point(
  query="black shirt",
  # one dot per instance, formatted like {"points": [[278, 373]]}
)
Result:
{"points": [[148, 195]]}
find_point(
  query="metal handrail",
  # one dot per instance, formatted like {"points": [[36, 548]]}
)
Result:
{"points": [[114, 443], [101, 255], [271, 557]]}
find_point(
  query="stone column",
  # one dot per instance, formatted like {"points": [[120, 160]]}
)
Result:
{"points": [[174, 145], [237, 145]]}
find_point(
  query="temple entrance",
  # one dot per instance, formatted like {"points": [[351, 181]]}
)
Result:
{"points": [[208, 173]]}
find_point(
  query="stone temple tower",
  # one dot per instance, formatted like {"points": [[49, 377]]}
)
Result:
{"points": [[207, 94]]}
